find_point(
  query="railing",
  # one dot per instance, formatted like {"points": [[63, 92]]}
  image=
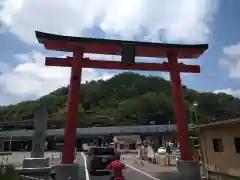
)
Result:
{"points": [[22, 177], [51, 176], [220, 176], [224, 117], [4, 157]]}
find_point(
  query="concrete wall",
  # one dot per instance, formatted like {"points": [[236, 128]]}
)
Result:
{"points": [[228, 161]]}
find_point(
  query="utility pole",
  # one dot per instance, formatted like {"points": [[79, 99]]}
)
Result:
{"points": [[10, 144], [195, 105]]}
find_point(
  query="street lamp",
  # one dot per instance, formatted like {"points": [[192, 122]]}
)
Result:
{"points": [[195, 105]]}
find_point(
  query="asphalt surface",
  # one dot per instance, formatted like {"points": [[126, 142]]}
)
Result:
{"points": [[155, 170], [135, 168], [82, 168], [128, 173], [134, 171]]}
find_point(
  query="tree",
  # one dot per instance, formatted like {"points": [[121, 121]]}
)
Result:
{"points": [[124, 97]]}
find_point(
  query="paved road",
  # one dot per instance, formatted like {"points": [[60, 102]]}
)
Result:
{"points": [[156, 171], [134, 171], [82, 168]]}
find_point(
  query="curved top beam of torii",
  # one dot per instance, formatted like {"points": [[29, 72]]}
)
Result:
{"points": [[114, 47]]}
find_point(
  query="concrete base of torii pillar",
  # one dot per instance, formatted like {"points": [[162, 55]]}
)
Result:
{"points": [[189, 170]]}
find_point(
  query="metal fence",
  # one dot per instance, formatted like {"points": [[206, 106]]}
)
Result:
{"points": [[32, 178], [220, 176], [22, 177]]}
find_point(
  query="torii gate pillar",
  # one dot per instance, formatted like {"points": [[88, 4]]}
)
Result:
{"points": [[178, 106], [187, 168], [72, 113]]}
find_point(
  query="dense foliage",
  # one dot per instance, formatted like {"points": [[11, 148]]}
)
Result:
{"points": [[8, 173], [123, 98]]}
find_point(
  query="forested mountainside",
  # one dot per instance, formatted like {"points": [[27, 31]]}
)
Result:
{"points": [[124, 97]]}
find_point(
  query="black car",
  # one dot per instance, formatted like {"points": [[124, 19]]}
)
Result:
{"points": [[98, 159]]}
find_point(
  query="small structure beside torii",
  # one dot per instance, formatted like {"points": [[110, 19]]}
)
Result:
{"points": [[126, 143], [220, 148]]}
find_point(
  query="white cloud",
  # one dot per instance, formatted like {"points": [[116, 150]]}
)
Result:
{"points": [[31, 79], [233, 92], [183, 20], [231, 60], [156, 20]]}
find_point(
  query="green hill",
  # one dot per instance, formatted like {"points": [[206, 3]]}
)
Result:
{"points": [[124, 97]]}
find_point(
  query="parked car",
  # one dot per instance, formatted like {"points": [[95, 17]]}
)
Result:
{"points": [[177, 151], [162, 150], [98, 159]]}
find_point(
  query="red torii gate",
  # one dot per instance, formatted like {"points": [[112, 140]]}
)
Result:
{"points": [[128, 50]]}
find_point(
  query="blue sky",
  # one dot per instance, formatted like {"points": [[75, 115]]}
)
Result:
{"points": [[24, 76]]}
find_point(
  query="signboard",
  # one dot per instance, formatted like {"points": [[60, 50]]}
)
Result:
{"points": [[153, 119]]}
